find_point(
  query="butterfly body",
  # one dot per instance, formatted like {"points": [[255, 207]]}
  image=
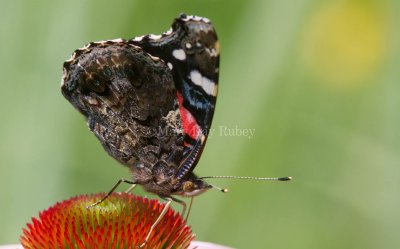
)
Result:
{"points": [[150, 101]]}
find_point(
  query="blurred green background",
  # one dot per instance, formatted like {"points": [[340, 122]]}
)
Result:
{"points": [[317, 80]]}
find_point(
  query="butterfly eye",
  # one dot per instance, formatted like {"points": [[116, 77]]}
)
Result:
{"points": [[188, 186]]}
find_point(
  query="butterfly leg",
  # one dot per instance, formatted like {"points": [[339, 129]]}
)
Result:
{"points": [[165, 209], [190, 208], [112, 190], [130, 188], [167, 198], [182, 203]]}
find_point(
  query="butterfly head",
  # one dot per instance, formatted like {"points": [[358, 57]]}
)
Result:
{"points": [[193, 187]]}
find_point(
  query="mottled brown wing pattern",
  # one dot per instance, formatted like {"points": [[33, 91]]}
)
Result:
{"points": [[128, 98], [150, 101]]}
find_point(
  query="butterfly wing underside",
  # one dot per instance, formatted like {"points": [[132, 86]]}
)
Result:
{"points": [[150, 100], [191, 51], [125, 94]]}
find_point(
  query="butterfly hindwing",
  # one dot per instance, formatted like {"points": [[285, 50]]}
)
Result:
{"points": [[112, 83]]}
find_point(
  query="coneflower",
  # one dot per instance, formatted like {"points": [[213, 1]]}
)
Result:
{"points": [[121, 221]]}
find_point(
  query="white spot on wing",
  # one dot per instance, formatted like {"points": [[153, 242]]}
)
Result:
{"points": [[168, 32], [208, 86], [169, 65], [139, 38], [117, 40], [105, 41], [154, 37], [205, 19], [196, 18], [179, 54], [212, 52]]}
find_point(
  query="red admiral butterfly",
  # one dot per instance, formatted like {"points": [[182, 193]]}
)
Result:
{"points": [[150, 101]]}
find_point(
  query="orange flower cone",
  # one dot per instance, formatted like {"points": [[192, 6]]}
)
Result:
{"points": [[121, 221]]}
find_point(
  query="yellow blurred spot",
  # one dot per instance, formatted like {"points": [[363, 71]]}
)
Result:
{"points": [[344, 42]]}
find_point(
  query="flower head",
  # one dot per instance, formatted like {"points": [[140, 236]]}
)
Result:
{"points": [[121, 221]]}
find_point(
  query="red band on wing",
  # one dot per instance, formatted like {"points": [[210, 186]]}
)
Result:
{"points": [[190, 126]]}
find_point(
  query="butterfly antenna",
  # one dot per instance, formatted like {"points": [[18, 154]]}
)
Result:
{"points": [[286, 178], [223, 190]]}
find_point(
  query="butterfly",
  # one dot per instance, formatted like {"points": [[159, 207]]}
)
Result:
{"points": [[150, 101]]}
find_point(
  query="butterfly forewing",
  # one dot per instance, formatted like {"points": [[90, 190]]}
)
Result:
{"points": [[191, 50]]}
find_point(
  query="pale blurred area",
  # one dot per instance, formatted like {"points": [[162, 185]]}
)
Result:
{"points": [[346, 42], [318, 82]]}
